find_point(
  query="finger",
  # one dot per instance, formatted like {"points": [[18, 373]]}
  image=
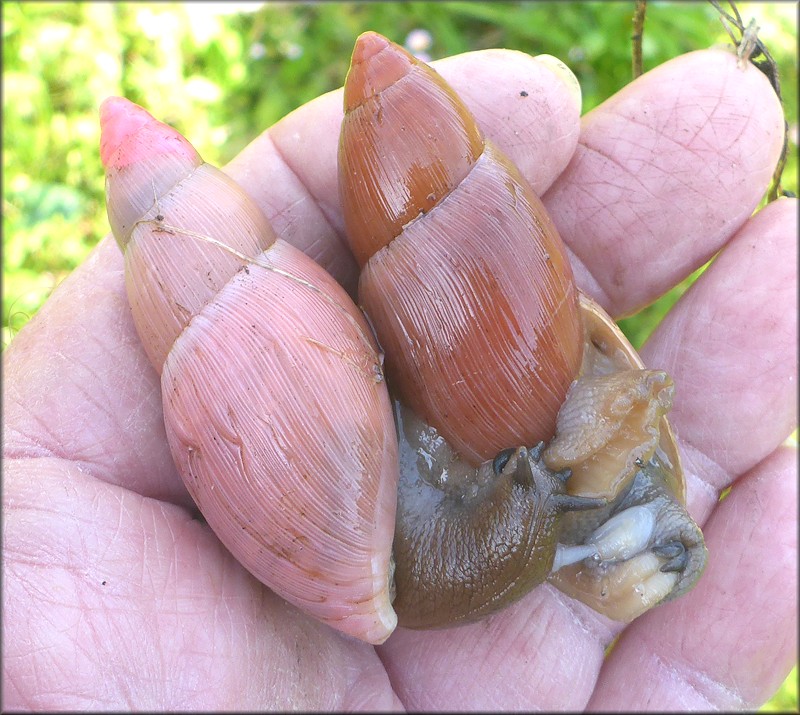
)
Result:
{"points": [[543, 653], [729, 643], [529, 106], [665, 172], [730, 344], [115, 601], [80, 387], [426, 684]]}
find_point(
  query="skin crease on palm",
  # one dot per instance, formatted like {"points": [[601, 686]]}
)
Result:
{"points": [[115, 596]]}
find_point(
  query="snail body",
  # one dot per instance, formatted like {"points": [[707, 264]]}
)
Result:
{"points": [[463, 541], [275, 410], [490, 345]]}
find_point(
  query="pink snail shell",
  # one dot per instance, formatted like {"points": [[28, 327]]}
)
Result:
{"points": [[276, 412]]}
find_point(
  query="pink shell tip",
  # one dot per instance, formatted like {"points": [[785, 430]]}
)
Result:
{"points": [[123, 142]]}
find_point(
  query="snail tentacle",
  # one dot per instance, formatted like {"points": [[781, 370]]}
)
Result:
{"points": [[567, 555], [677, 540], [679, 561]]}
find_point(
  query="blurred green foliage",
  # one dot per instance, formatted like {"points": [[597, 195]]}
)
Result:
{"points": [[221, 73], [785, 700]]}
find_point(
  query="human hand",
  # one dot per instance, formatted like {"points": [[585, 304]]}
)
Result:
{"points": [[117, 596]]}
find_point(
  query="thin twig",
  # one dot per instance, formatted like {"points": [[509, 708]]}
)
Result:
{"points": [[750, 48], [636, 38]]}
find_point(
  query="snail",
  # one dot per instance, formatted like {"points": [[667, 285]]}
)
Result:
{"points": [[275, 411], [491, 352], [325, 485]]}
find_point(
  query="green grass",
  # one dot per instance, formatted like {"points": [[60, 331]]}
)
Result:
{"points": [[222, 78]]}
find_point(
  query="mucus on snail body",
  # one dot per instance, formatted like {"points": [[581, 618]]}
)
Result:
{"points": [[501, 375]]}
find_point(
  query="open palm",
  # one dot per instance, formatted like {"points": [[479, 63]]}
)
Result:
{"points": [[117, 596]]}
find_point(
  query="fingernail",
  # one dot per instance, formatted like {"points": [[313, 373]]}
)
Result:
{"points": [[565, 74]]}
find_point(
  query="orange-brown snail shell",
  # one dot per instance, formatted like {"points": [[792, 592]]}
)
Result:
{"points": [[471, 295]]}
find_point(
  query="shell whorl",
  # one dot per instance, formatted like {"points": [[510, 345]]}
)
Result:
{"points": [[464, 277]]}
